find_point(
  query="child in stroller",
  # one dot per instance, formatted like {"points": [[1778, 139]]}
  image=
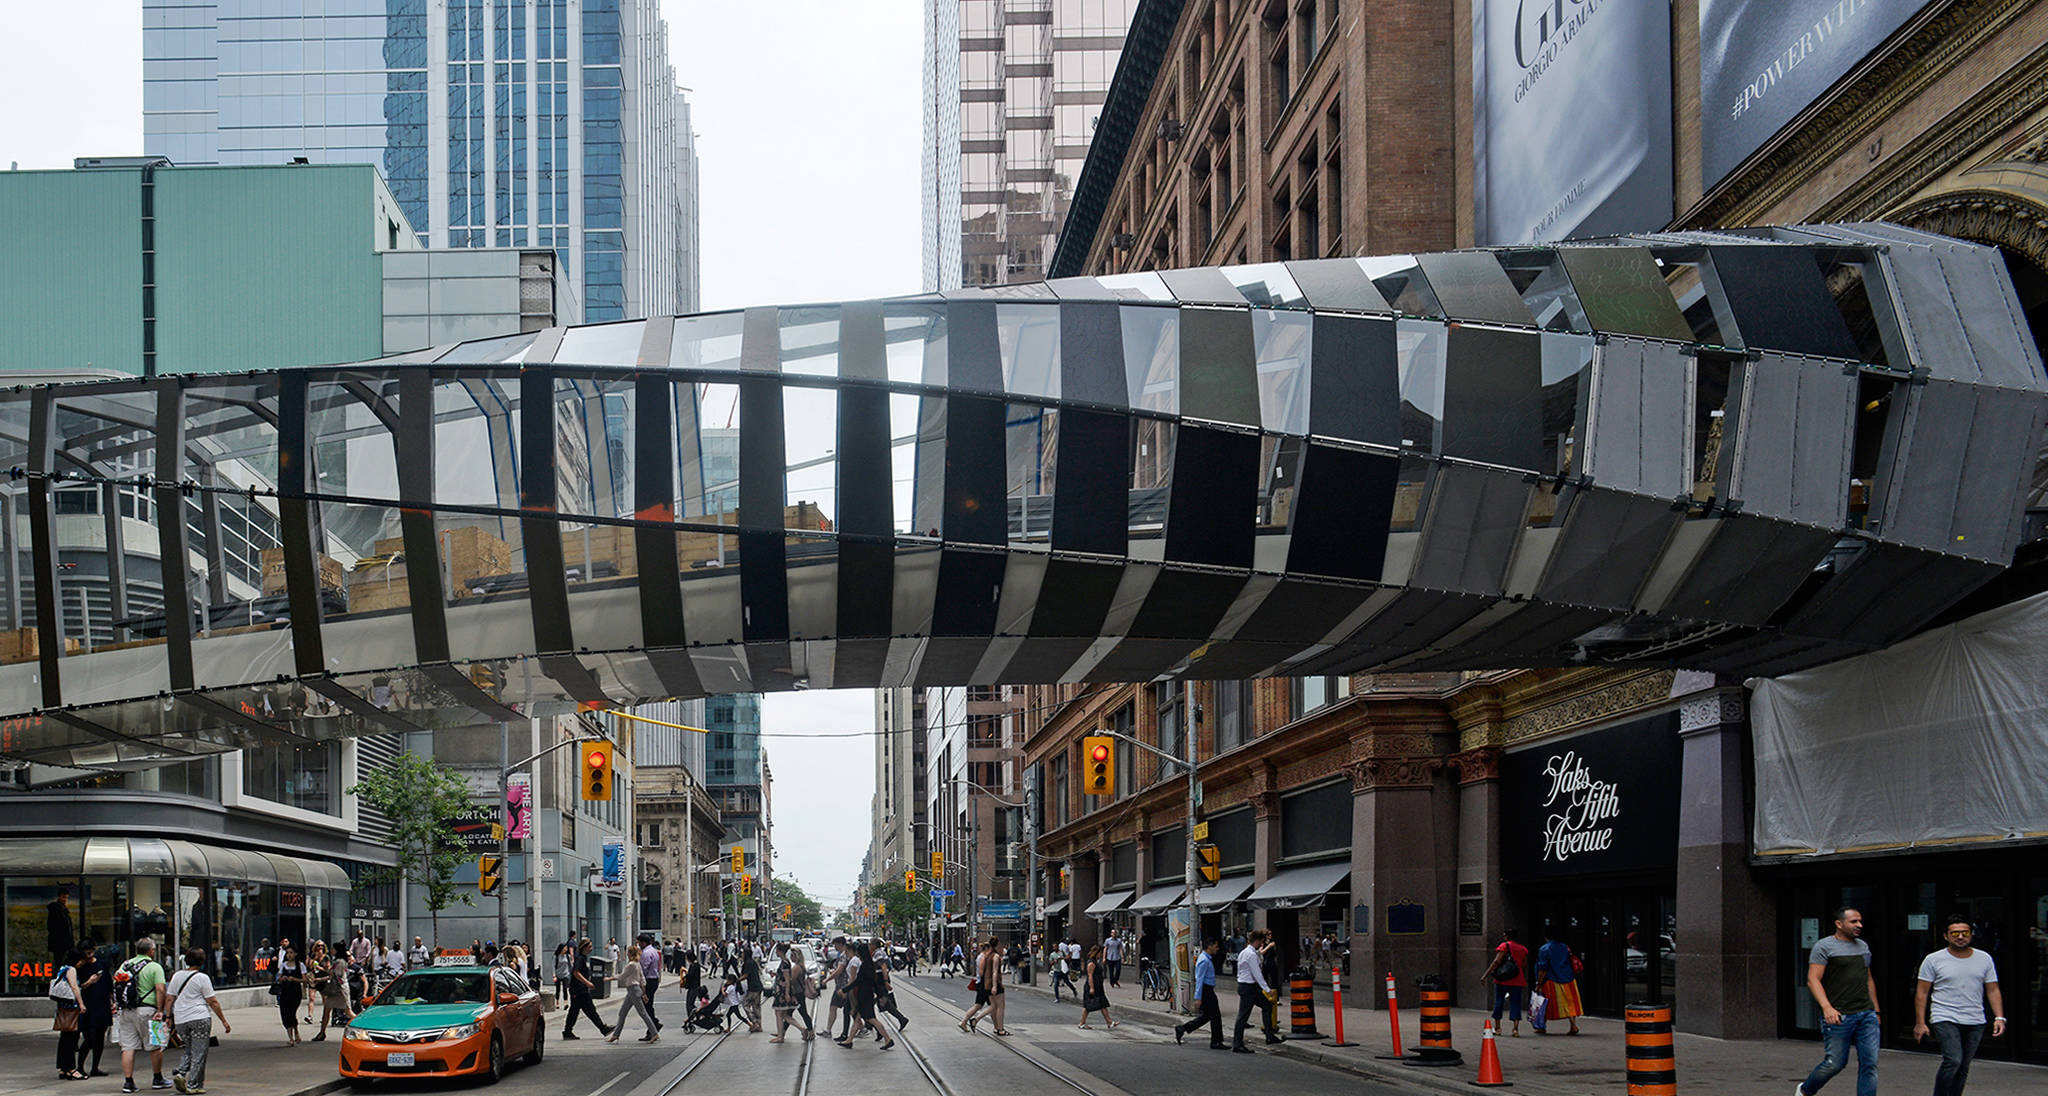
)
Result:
{"points": [[704, 1014]]}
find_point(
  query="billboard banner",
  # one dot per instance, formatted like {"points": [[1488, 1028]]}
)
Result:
{"points": [[1572, 118], [1764, 61]]}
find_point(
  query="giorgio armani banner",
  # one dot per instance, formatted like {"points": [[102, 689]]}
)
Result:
{"points": [[1572, 118], [1593, 803], [1763, 61]]}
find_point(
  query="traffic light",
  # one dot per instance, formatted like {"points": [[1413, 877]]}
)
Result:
{"points": [[597, 771], [785, 911], [489, 874], [739, 859], [910, 879], [746, 886], [1209, 862], [938, 864], [1098, 765]]}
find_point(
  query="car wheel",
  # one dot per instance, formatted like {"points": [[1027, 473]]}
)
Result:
{"points": [[540, 1032], [495, 1072]]}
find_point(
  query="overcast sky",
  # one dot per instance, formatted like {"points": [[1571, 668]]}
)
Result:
{"points": [[807, 122]]}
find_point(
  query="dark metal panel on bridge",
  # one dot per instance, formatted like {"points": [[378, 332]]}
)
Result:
{"points": [[1343, 508], [1607, 547], [1780, 302], [1928, 500], [296, 528], [1469, 534], [1470, 285], [173, 545], [1355, 380], [1091, 500], [866, 522], [1624, 293], [1338, 285], [1218, 366], [1789, 439], [1493, 409], [42, 535], [1215, 484], [1750, 568], [1092, 354]]}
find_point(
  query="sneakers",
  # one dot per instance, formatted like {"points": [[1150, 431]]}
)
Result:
{"points": [[178, 1081], [195, 1090], [128, 1084], [159, 1082]]}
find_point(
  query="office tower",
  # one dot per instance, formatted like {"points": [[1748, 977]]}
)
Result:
{"points": [[528, 123], [1012, 93]]}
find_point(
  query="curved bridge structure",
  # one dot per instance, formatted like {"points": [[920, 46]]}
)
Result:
{"points": [[1745, 452]]}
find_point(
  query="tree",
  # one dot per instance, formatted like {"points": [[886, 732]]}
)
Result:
{"points": [[901, 909], [803, 909], [422, 798]]}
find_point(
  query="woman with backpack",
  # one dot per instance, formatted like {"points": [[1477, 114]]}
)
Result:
{"points": [[330, 977], [69, 997]]}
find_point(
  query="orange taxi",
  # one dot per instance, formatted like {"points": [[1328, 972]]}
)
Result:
{"points": [[444, 1022]]}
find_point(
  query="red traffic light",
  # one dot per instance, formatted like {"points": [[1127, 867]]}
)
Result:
{"points": [[594, 759], [1099, 753]]}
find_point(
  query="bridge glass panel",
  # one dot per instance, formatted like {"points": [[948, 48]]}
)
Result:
{"points": [[1282, 341], [1400, 280], [349, 427], [1028, 337], [1624, 292], [914, 340], [1031, 435], [809, 340], [594, 425], [1152, 442], [810, 432], [602, 344], [1539, 276], [1267, 285], [1420, 346], [1152, 357], [1471, 286], [709, 341]]}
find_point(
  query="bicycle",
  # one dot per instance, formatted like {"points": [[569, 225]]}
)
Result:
{"points": [[1156, 987]]}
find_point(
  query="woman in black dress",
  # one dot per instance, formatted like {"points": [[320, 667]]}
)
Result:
{"points": [[291, 992], [1093, 999], [96, 988]]}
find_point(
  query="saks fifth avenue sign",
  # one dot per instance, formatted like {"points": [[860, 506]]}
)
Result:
{"points": [[1582, 809]]}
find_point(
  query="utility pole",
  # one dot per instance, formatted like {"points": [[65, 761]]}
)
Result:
{"points": [[1194, 792]]}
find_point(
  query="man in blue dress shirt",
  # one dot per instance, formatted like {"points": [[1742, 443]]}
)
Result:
{"points": [[1205, 992]]}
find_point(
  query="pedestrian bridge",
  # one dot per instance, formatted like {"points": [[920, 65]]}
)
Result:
{"points": [[1741, 452]]}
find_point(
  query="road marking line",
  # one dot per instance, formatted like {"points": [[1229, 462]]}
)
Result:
{"points": [[601, 1088]]}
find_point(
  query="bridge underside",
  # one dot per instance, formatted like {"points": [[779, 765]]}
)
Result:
{"points": [[1741, 452]]}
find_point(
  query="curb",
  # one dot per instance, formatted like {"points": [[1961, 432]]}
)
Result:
{"points": [[1359, 1063]]}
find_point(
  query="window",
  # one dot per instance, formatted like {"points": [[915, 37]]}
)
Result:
{"points": [[1311, 693], [306, 777], [1124, 722], [1171, 721], [1233, 714], [1058, 808]]}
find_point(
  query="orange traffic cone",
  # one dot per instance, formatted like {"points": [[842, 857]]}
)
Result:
{"points": [[1489, 1063]]}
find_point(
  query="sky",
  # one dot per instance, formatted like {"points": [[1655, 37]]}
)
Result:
{"points": [[807, 121]]}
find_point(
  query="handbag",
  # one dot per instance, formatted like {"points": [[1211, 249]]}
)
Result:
{"points": [[974, 985], [67, 1019]]}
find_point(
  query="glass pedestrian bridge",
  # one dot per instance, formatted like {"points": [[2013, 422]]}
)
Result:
{"points": [[1745, 452]]}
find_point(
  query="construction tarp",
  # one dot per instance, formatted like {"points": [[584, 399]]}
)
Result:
{"points": [[1941, 740]]}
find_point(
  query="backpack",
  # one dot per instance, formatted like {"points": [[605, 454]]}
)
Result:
{"points": [[60, 990], [127, 982]]}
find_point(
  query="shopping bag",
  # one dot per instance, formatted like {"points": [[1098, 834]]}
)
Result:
{"points": [[1538, 1006], [159, 1034]]}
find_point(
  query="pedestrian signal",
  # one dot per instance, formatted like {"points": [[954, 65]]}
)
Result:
{"points": [[1098, 765], [1209, 861], [489, 874], [597, 771]]}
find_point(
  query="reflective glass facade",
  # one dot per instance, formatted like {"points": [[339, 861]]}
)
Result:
{"points": [[498, 123], [1013, 89]]}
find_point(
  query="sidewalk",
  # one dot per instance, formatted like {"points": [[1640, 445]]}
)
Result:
{"points": [[250, 1061], [1592, 1064]]}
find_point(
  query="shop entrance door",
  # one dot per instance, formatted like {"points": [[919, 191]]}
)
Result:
{"points": [[1624, 937]]}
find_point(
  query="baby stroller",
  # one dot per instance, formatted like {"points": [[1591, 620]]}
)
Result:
{"points": [[706, 1015]]}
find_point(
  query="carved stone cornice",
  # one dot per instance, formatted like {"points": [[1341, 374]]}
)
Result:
{"points": [[1819, 137], [1265, 806], [1632, 693], [1476, 765], [2015, 223], [1380, 773]]}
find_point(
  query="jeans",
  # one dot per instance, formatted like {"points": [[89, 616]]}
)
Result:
{"points": [[1958, 1047], [1116, 971], [1508, 998], [1859, 1029], [194, 1034]]}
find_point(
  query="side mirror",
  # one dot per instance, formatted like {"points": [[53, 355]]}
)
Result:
{"points": [[507, 998]]}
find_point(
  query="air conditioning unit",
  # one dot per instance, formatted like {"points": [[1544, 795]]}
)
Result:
{"points": [[1172, 129]]}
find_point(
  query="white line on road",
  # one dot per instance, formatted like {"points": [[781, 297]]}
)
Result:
{"points": [[599, 1091]]}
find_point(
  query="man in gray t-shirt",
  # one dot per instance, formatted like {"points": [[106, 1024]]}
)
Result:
{"points": [[1838, 975], [1949, 1000]]}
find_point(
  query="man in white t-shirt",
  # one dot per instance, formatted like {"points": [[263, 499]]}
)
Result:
{"points": [[418, 956], [1949, 1000], [193, 1007]]}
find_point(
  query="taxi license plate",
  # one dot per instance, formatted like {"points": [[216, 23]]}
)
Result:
{"points": [[399, 1059]]}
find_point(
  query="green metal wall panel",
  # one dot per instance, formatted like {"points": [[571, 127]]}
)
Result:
{"points": [[71, 271], [259, 268]]}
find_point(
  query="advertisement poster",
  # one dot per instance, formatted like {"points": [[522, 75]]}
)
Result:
{"points": [[519, 806], [1764, 61], [1572, 118], [1180, 927]]}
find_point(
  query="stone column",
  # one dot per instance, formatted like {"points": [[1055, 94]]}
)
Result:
{"points": [[1265, 834], [1727, 917], [1396, 859], [1478, 859], [1086, 880]]}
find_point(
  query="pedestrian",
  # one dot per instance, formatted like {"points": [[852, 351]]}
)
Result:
{"points": [[650, 969], [96, 1014], [750, 977], [1113, 954], [632, 984], [394, 965], [580, 986], [1838, 975], [193, 1009], [330, 977], [1510, 974], [1253, 991], [1558, 971], [1062, 975], [1211, 1011], [792, 989], [693, 984], [1269, 962], [69, 997], [885, 994], [1948, 1000], [954, 961], [991, 971], [418, 956], [138, 994], [1094, 998], [290, 989], [359, 949], [565, 959]]}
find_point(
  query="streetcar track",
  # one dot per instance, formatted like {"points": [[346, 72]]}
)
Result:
{"points": [[803, 1069], [956, 1012], [692, 1067]]}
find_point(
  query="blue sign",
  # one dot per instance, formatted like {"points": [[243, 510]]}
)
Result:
{"points": [[614, 862], [939, 901], [1003, 911], [942, 894]]}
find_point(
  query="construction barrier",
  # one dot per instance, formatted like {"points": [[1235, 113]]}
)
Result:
{"points": [[1301, 991], [1489, 1063], [1652, 1066], [1337, 1006], [1436, 1049], [1393, 1021]]}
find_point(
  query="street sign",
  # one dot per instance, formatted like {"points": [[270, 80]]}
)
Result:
{"points": [[942, 894], [1201, 831], [939, 902]]}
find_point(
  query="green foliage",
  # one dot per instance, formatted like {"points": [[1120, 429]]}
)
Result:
{"points": [[803, 909], [422, 798], [901, 909]]}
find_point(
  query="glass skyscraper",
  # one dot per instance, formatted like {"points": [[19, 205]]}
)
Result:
{"points": [[1012, 91], [497, 123]]}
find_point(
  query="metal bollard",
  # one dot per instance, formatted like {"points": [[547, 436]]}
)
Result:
{"points": [[1301, 990], [1652, 1065], [1436, 1049]]}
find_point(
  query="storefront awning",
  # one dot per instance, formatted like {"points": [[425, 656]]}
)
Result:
{"points": [[1054, 909], [1218, 895], [1298, 887], [1158, 899], [155, 856], [1109, 903]]}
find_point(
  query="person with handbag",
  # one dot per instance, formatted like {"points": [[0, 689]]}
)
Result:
{"points": [[1558, 969], [792, 989], [330, 975], [289, 987], [1254, 992], [96, 1012], [1094, 998], [1509, 973], [69, 997], [193, 1008], [138, 995]]}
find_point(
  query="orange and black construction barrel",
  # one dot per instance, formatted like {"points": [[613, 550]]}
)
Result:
{"points": [[1652, 1068], [1301, 990], [1436, 1049]]}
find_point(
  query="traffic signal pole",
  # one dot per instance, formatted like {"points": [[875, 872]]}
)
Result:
{"points": [[505, 771], [1194, 912]]}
